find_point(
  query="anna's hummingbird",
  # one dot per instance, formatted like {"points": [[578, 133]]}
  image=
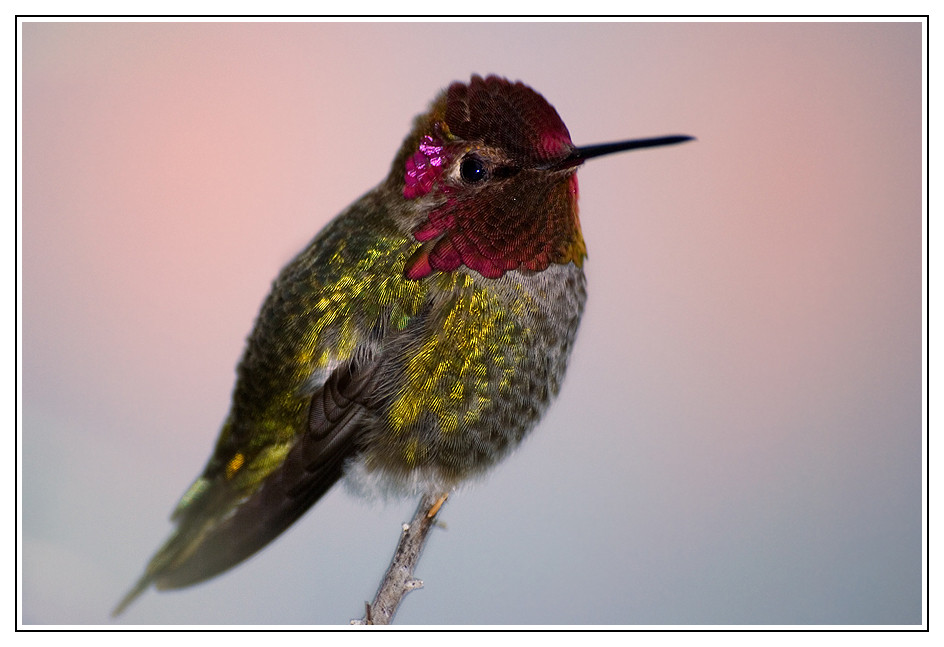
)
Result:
{"points": [[415, 341]]}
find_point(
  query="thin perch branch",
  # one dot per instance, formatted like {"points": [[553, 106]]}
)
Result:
{"points": [[399, 580]]}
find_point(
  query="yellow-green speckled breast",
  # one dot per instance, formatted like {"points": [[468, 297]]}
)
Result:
{"points": [[465, 365]]}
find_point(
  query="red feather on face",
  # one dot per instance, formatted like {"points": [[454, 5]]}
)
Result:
{"points": [[520, 215]]}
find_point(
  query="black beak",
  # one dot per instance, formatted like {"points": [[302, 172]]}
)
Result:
{"points": [[582, 154]]}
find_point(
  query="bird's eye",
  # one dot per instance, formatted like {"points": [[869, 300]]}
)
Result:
{"points": [[472, 170]]}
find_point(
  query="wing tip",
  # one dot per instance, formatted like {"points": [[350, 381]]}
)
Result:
{"points": [[131, 596]]}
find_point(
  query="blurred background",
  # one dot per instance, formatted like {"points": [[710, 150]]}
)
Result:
{"points": [[739, 436]]}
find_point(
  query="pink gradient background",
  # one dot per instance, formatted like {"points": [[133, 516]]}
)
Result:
{"points": [[739, 436]]}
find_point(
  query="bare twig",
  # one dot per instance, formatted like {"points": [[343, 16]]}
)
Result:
{"points": [[399, 580]]}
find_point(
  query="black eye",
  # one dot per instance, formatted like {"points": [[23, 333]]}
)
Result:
{"points": [[472, 170]]}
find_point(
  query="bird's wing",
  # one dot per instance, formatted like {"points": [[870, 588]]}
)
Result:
{"points": [[207, 543]]}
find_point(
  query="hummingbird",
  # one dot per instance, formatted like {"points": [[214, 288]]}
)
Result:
{"points": [[415, 341]]}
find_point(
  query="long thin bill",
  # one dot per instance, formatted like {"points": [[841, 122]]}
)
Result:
{"points": [[582, 154]]}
